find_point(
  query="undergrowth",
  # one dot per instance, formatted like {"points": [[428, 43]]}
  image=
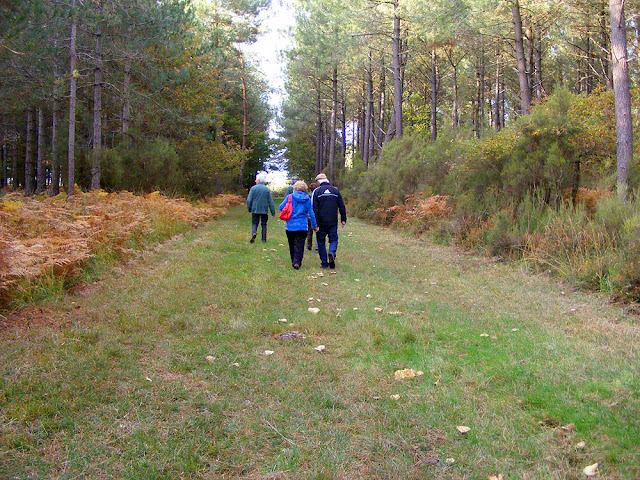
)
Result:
{"points": [[48, 244]]}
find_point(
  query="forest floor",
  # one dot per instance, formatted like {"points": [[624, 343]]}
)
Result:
{"points": [[202, 359]]}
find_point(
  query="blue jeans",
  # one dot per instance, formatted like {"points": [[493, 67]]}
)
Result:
{"points": [[332, 232]]}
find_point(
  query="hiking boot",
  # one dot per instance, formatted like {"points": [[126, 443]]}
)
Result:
{"points": [[332, 260], [253, 239]]}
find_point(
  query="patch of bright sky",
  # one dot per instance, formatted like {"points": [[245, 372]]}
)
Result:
{"points": [[268, 54]]}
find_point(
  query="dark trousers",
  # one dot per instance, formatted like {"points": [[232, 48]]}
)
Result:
{"points": [[296, 245], [261, 218], [309, 235]]}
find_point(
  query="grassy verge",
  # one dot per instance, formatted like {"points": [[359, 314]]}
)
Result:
{"points": [[160, 370]]}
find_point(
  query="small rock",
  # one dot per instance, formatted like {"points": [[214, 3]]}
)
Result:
{"points": [[591, 470], [314, 310]]}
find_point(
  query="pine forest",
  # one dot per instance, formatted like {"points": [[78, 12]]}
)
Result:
{"points": [[505, 126]]}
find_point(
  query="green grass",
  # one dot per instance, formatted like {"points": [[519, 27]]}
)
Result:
{"points": [[116, 382]]}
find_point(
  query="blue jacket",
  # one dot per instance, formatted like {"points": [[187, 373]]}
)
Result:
{"points": [[260, 200], [301, 204]]}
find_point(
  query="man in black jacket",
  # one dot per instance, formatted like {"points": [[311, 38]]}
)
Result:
{"points": [[327, 202]]}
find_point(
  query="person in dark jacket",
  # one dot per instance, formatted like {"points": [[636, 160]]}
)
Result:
{"points": [[327, 203], [296, 226], [259, 203]]}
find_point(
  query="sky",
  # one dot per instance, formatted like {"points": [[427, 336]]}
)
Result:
{"points": [[268, 55], [268, 51]]}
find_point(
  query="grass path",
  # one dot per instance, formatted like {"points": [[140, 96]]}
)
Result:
{"points": [[159, 370]]}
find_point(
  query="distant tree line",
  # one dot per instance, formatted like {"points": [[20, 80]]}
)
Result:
{"points": [[364, 72], [130, 94]]}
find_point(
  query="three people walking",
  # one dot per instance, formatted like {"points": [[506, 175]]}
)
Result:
{"points": [[319, 213]]}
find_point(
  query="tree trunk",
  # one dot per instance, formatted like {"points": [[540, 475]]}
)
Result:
{"points": [[97, 113], [368, 115], [525, 93], [397, 73], [434, 94], [319, 134], [381, 108], [126, 91], [55, 126], [71, 159], [344, 125], [496, 98], [40, 173], [624, 134], [28, 156], [456, 107], [332, 126], [245, 122], [3, 165], [605, 47], [14, 163], [539, 89]]}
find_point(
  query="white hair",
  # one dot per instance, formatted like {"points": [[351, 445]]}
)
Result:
{"points": [[261, 177]]}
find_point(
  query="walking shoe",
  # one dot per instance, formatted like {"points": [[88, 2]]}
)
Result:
{"points": [[296, 266], [253, 239], [332, 260]]}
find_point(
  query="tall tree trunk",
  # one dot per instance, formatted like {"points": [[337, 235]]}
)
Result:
{"points": [[381, 108], [245, 123], [539, 89], [14, 163], [40, 171], [482, 87], [332, 126], [434, 94], [3, 165], [502, 103], [71, 159], [397, 72], [344, 125], [525, 93], [55, 126], [368, 115], [496, 97], [624, 133], [589, 75], [605, 46], [126, 91], [456, 107], [319, 128], [97, 113], [55, 160], [28, 156]]}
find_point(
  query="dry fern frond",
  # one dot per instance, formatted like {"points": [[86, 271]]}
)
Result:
{"points": [[42, 235]]}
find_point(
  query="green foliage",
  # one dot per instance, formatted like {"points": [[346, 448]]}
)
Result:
{"points": [[412, 165], [528, 192]]}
